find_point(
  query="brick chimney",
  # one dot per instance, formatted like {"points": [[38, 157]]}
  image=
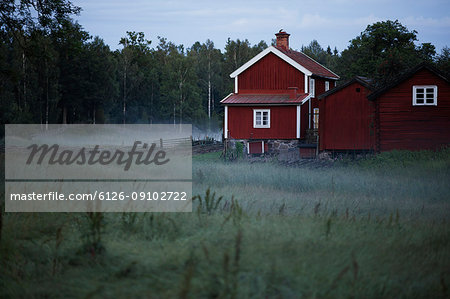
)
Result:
{"points": [[283, 40]]}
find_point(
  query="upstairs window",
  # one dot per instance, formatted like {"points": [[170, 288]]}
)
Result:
{"points": [[424, 95], [327, 85], [261, 118], [312, 87]]}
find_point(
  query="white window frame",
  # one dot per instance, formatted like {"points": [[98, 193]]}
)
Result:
{"points": [[424, 87], [262, 111], [316, 118], [327, 85], [312, 87]]}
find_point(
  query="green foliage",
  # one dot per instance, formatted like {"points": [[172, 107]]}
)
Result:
{"points": [[209, 203], [443, 60], [239, 149], [53, 71], [383, 51], [404, 159], [92, 233]]}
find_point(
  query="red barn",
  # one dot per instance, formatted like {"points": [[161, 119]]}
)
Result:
{"points": [[274, 99], [413, 113], [346, 117]]}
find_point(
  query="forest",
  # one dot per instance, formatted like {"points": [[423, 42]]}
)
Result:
{"points": [[53, 71]]}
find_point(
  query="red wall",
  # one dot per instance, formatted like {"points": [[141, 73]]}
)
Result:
{"points": [[346, 120], [401, 125], [271, 73], [304, 119], [319, 89], [282, 123]]}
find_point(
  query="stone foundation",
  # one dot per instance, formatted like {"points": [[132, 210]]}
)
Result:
{"points": [[275, 146]]}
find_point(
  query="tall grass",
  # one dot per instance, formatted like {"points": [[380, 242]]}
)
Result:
{"points": [[257, 230], [373, 185]]}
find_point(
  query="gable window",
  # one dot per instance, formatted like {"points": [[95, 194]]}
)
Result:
{"points": [[327, 85], [261, 118], [424, 95], [312, 87]]}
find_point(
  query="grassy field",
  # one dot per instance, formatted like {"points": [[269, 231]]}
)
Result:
{"points": [[377, 227]]}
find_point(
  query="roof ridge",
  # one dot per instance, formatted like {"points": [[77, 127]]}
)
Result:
{"points": [[317, 63], [406, 75]]}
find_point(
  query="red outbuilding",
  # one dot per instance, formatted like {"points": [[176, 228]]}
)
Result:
{"points": [[413, 113], [347, 117], [273, 104]]}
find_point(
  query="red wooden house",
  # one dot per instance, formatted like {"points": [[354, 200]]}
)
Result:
{"points": [[274, 99], [347, 117], [413, 113]]}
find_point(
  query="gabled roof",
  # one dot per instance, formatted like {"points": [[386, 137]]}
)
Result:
{"points": [[407, 75], [310, 64], [366, 82], [255, 99], [298, 60]]}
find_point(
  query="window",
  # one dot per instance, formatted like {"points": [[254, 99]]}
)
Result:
{"points": [[261, 118], [312, 87], [316, 118], [424, 95], [327, 85]]}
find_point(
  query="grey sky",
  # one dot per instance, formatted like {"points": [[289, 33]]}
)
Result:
{"points": [[331, 22]]}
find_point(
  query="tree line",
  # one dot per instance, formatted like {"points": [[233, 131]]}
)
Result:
{"points": [[53, 71]]}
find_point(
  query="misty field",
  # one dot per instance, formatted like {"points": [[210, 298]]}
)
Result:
{"points": [[370, 228]]}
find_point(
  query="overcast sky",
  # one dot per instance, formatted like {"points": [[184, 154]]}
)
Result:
{"points": [[330, 22]]}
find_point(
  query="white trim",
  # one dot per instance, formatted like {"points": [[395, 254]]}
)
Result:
{"points": [[262, 111], [306, 99], [277, 52], [312, 87], [300, 123], [262, 147], [226, 97], [248, 148], [306, 83], [424, 87], [327, 86], [297, 135], [225, 130], [309, 115], [236, 84]]}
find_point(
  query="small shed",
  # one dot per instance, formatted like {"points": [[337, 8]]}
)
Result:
{"points": [[346, 120]]}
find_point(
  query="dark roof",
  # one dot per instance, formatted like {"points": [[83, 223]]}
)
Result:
{"points": [[366, 82], [309, 63], [280, 99], [406, 76]]}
